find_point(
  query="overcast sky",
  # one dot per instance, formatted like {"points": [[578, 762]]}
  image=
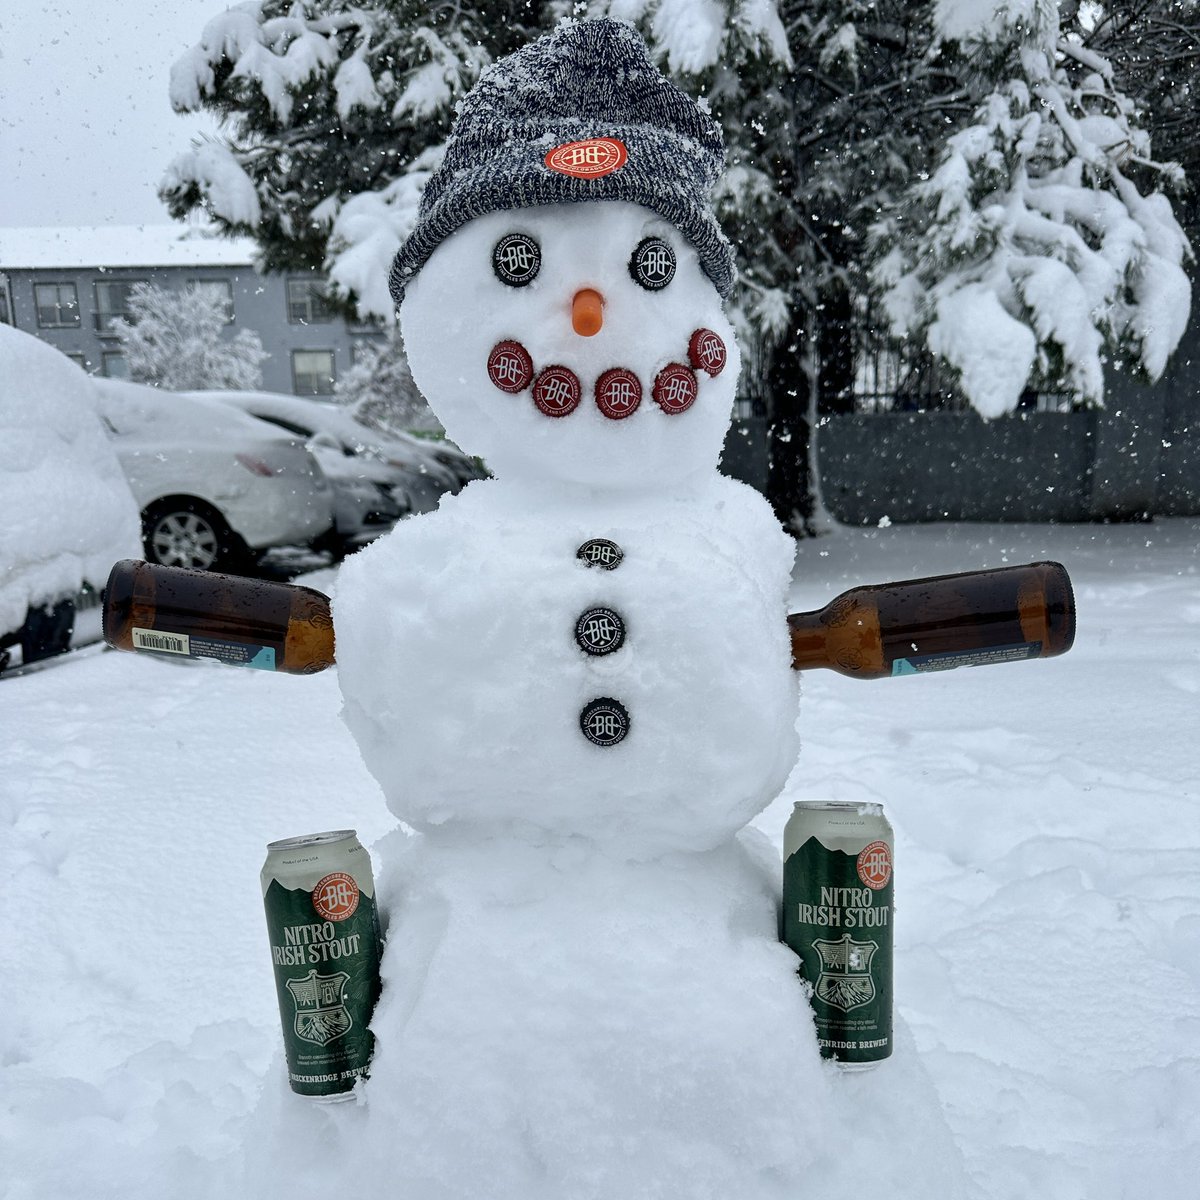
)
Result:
{"points": [[86, 127]]}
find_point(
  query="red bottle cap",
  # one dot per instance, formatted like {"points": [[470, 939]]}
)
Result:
{"points": [[556, 391], [675, 388], [509, 366], [706, 352], [618, 393]]}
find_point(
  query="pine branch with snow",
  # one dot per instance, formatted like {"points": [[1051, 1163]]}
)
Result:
{"points": [[1154, 48], [334, 112], [1031, 253], [175, 341]]}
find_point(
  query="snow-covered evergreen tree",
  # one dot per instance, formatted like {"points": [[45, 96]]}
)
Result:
{"points": [[836, 115], [1154, 48], [335, 112], [1031, 253], [175, 341], [380, 392]]}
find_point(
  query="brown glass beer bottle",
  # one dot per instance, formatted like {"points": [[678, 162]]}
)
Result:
{"points": [[903, 628], [935, 624], [202, 614]]}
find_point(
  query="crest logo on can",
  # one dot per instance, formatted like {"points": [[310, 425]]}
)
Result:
{"points": [[845, 980], [321, 1012]]}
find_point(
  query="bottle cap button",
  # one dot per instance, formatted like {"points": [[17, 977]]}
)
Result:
{"points": [[600, 631], [604, 721], [600, 552]]}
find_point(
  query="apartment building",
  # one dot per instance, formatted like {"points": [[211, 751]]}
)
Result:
{"points": [[68, 285]]}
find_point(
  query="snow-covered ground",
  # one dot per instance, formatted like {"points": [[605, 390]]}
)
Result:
{"points": [[1047, 819]]}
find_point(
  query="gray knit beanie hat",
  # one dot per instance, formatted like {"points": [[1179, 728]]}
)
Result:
{"points": [[581, 114]]}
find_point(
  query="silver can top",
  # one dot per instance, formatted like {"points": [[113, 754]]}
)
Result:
{"points": [[313, 839], [866, 807]]}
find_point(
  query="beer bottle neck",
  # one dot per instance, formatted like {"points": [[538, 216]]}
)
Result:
{"points": [[809, 647]]}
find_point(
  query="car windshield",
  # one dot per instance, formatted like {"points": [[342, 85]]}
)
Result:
{"points": [[331, 440], [290, 426]]}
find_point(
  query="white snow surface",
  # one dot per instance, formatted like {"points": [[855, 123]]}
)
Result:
{"points": [[67, 511], [1048, 930]]}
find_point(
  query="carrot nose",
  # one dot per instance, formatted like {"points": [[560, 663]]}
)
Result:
{"points": [[587, 312]]}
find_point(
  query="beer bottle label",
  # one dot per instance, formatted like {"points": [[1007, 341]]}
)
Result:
{"points": [[325, 947], [240, 654], [837, 916], [918, 664]]}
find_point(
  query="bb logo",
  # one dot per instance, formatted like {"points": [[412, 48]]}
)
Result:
{"points": [[706, 352], [556, 391], [336, 896], [509, 366], [618, 393], [875, 865], [675, 389], [589, 159]]}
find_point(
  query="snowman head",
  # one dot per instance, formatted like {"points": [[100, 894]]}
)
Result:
{"points": [[562, 291]]}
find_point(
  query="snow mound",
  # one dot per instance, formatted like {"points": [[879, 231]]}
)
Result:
{"points": [[68, 511]]}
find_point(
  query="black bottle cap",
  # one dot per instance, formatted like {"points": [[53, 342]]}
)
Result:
{"points": [[600, 552], [600, 631], [604, 721]]}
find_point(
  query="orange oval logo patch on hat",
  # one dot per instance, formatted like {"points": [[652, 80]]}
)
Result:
{"points": [[589, 159]]}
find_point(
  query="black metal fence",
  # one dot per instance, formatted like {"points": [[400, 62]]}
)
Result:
{"points": [[894, 376]]}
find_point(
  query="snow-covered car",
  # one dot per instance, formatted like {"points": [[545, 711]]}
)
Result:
{"points": [[216, 488], [67, 511], [422, 469], [365, 503], [366, 500]]}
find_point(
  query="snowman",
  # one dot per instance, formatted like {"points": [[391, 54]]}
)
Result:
{"points": [[572, 681]]}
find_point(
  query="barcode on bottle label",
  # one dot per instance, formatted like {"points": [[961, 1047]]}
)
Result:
{"points": [[166, 643]]}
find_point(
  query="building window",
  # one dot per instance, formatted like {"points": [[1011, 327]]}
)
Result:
{"points": [[5, 307], [220, 290], [113, 365], [312, 372], [112, 302], [78, 360], [306, 302], [57, 305]]}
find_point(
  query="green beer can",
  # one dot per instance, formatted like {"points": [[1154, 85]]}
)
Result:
{"points": [[325, 946], [837, 916]]}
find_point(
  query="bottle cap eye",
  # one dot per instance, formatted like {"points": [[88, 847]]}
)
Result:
{"points": [[653, 264], [516, 259]]}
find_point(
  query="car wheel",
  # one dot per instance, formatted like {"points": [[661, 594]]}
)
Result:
{"points": [[187, 533]]}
